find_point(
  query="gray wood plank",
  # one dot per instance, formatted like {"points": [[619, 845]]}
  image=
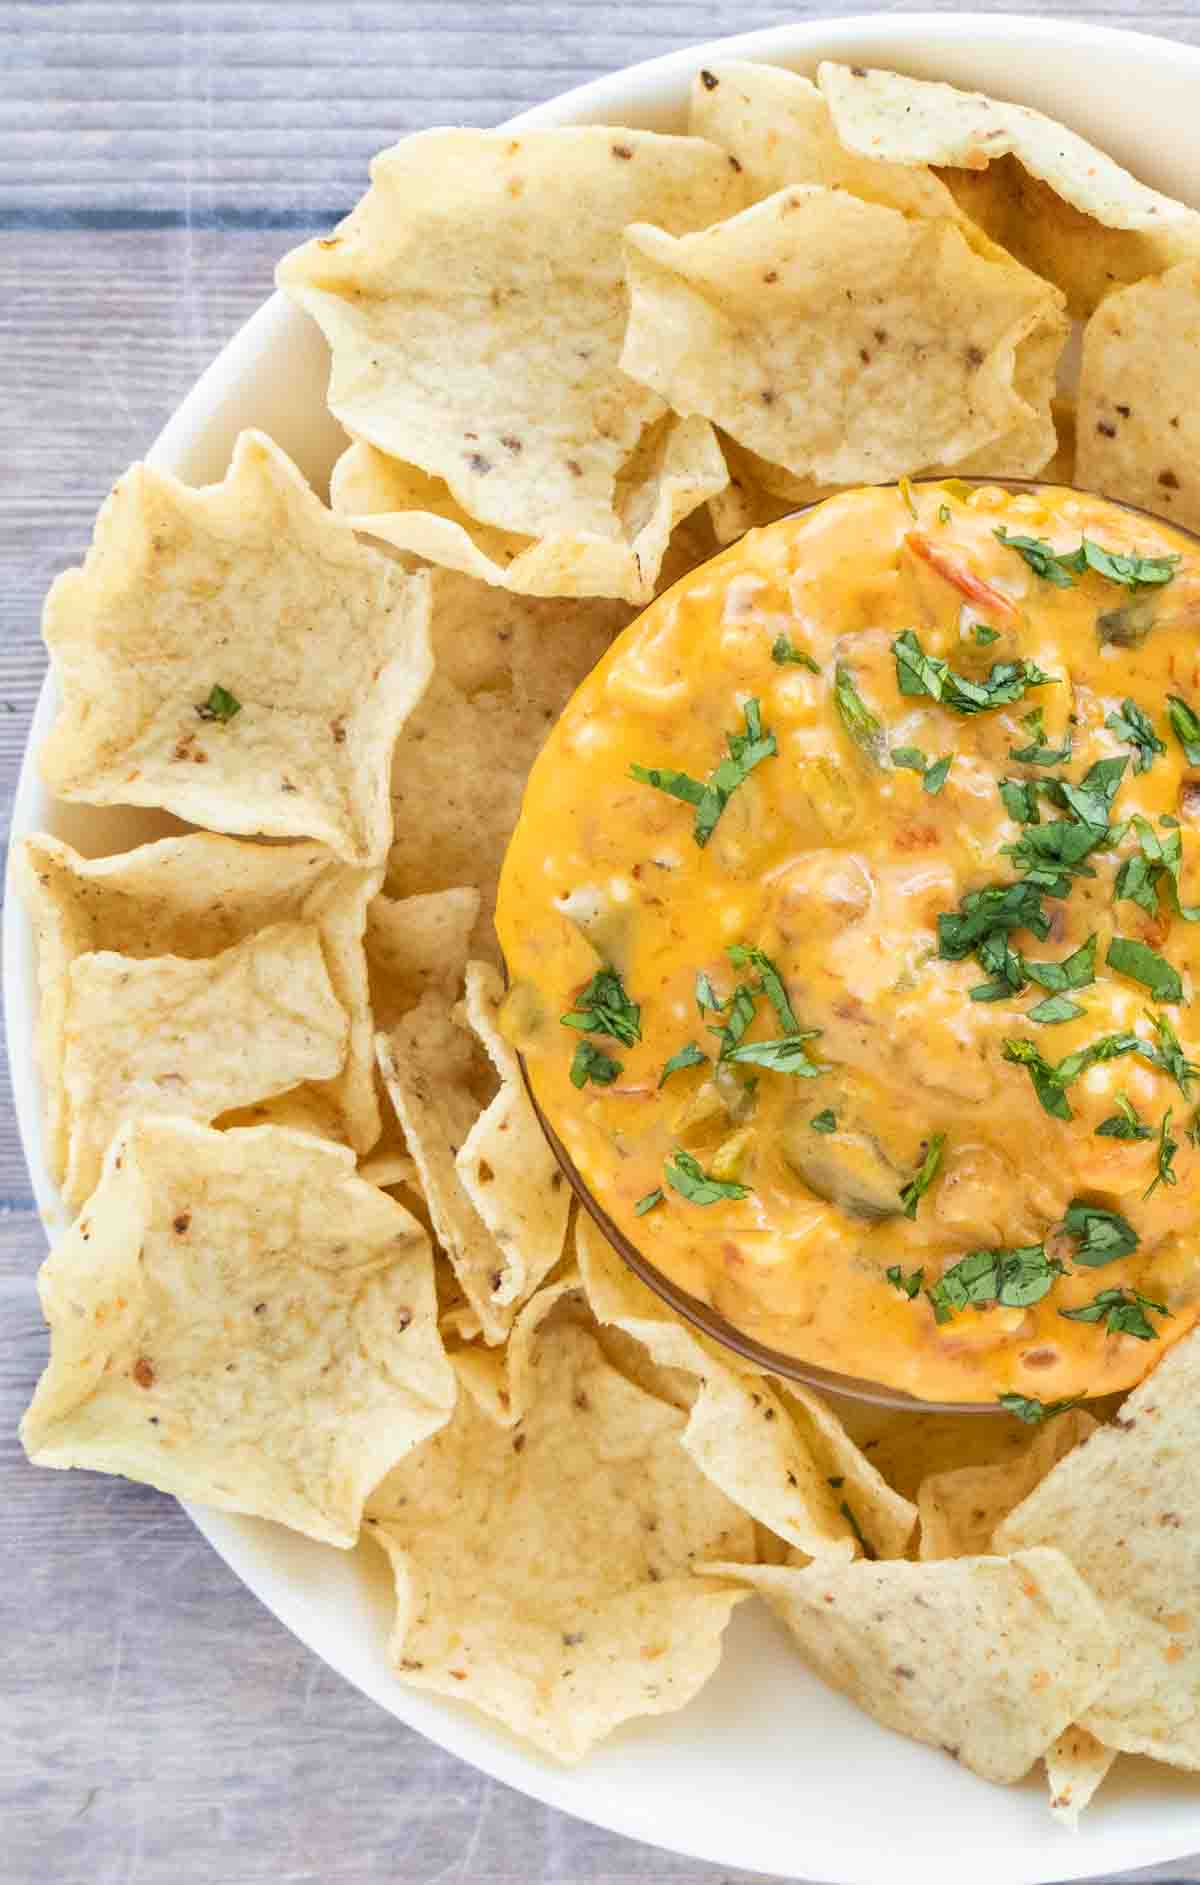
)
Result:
{"points": [[156, 156]]}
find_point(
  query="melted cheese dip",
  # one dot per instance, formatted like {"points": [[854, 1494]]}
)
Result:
{"points": [[832, 858]]}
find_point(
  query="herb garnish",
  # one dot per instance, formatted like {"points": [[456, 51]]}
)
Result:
{"points": [[1011, 1278], [1038, 753], [1168, 1145], [687, 1176], [1056, 1008], [1124, 1123], [1033, 1412], [657, 1196], [907, 1285], [706, 994], [984, 636], [825, 1121], [1185, 726], [770, 982], [1122, 1311], [860, 723], [1169, 1055], [603, 1007], [1078, 970], [920, 673], [1143, 964], [786, 1055], [710, 796], [1102, 1236], [919, 1184], [1156, 858], [1050, 1082], [590, 1064], [689, 1056], [934, 772], [784, 653], [220, 705], [1061, 567], [1137, 729]]}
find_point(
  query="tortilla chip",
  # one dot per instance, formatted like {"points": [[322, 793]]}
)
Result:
{"points": [[505, 1165], [560, 1616], [676, 468], [777, 1452], [237, 1318], [196, 1039], [504, 1381], [795, 327], [1075, 1766], [247, 591], [195, 896], [1064, 208], [505, 668], [960, 1510], [302, 1109], [987, 1658], [1061, 468], [1139, 429], [1126, 1510], [474, 305], [908, 1446], [778, 127], [416, 945]]}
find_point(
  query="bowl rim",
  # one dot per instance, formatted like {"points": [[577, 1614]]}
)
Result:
{"points": [[295, 1580]]}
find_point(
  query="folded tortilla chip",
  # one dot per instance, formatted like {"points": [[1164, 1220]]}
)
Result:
{"points": [[237, 1318], [1139, 429], [418, 944], [560, 1616], [505, 668], [1075, 1766], [195, 896], [987, 1658], [677, 466], [235, 655], [193, 1038], [961, 1509], [1063, 207], [1126, 1509], [778, 126], [474, 305], [778, 1453], [797, 327], [909, 1446]]}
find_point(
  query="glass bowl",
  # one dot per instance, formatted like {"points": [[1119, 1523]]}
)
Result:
{"points": [[702, 1315]]}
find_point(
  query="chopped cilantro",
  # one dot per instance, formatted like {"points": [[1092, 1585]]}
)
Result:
{"points": [[1122, 1311], [1033, 1412], [1137, 729], [687, 1176], [706, 994], [770, 982], [984, 635], [1143, 964], [1186, 728], [1061, 567], [1020, 799], [1078, 970], [999, 907], [937, 774], [934, 772], [786, 1055], [1011, 1278], [1041, 557], [1169, 1055], [649, 1201], [1050, 1082], [1038, 753], [785, 654], [1102, 1236], [943, 514], [1056, 1008], [1168, 1145], [220, 705], [590, 1064], [920, 673], [919, 1184], [1155, 860], [689, 1056], [603, 1007], [909, 1285], [1124, 1123], [710, 796], [825, 1121], [860, 723]]}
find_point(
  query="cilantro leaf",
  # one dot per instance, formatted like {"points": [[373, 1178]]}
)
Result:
{"points": [[909, 758], [860, 723], [590, 1064], [920, 673], [1168, 1145], [1169, 1055], [1033, 1412], [1038, 753], [1185, 726], [786, 1055], [785, 654], [687, 1176], [934, 772], [220, 705], [825, 1121], [907, 1285], [984, 635], [1156, 859], [706, 994], [648, 1203], [689, 1056], [1041, 557], [1137, 729], [937, 774], [919, 1184], [1056, 1008], [1062, 567], [603, 1007], [999, 907], [710, 796], [1122, 1311], [770, 982], [1050, 1089], [1102, 1236], [1143, 964], [1124, 1123], [1011, 1278], [1078, 970]]}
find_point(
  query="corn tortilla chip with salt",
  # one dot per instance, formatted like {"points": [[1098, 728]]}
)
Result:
{"points": [[505, 668], [676, 468], [1075, 1766], [237, 1318], [503, 1381], [1139, 428], [543, 1573], [195, 896], [234, 654], [778, 126], [907, 1446], [1063, 207], [415, 945], [960, 1510], [193, 1038], [1126, 1510], [988, 1658], [776, 1454], [797, 326], [474, 304]]}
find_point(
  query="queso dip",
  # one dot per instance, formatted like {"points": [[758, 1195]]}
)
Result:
{"points": [[852, 924]]}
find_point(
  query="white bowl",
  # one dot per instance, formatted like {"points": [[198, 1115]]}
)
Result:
{"points": [[766, 1769]]}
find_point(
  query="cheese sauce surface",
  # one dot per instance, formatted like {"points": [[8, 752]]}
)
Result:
{"points": [[931, 1024]]}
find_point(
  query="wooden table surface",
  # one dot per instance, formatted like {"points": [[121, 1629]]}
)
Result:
{"points": [[157, 1727]]}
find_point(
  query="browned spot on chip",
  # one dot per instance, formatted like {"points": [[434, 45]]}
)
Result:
{"points": [[181, 1223], [1168, 480], [142, 1372], [710, 81]]}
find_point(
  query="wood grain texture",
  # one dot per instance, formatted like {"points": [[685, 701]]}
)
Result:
{"points": [[157, 1726]]}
